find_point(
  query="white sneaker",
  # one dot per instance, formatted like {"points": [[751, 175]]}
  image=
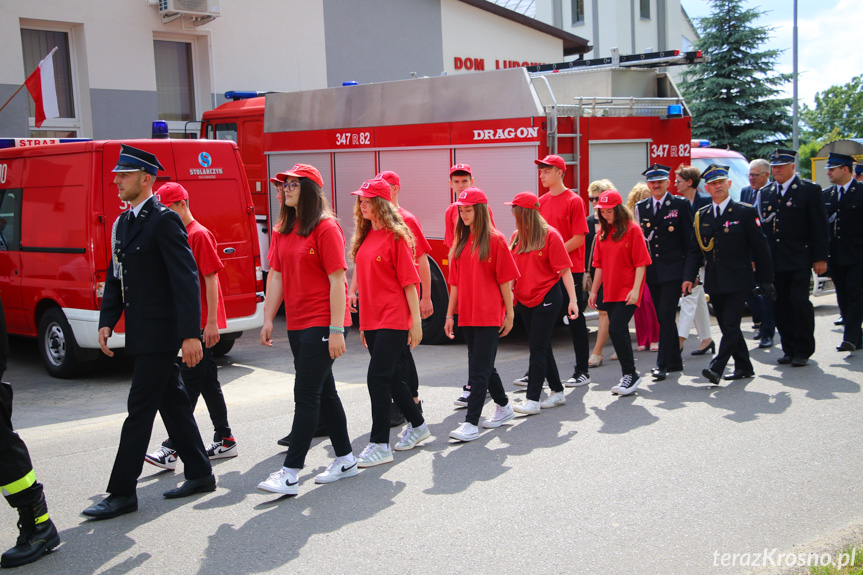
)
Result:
{"points": [[163, 457], [282, 481], [411, 436], [373, 455], [502, 414], [553, 400], [338, 469], [628, 384], [521, 381], [225, 447], [577, 380], [528, 407], [465, 432]]}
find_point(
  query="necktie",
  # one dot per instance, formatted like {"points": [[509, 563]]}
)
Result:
{"points": [[841, 191], [718, 213], [130, 221]]}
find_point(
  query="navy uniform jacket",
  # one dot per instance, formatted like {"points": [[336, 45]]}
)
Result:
{"points": [[845, 224], [670, 240], [748, 195], [795, 225], [737, 242], [160, 280]]}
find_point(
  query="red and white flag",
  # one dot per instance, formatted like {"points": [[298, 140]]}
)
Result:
{"points": [[41, 86]]}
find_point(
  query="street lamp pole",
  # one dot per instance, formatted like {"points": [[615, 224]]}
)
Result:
{"points": [[794, 106]]}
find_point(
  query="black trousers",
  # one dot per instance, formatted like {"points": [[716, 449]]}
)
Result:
{"points": [[409, 371], [315, 395], [849, 293], [539, 322], [578, 326], [729, 310], [619, 316], [203, 381], [482, 375], [665, 297], [156, 386], [795, 316], [17, 479], [386, 384]]}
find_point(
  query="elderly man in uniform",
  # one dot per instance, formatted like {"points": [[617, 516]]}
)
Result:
{"points": [[666, 222], [794, 220], [154, 280], [844, 203], [762, 308], [858, 172], [729, 236]]}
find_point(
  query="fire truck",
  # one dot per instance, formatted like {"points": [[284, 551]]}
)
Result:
{"points": [[608, 118]]}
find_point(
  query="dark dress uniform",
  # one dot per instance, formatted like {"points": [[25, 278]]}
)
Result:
{"points": [[729, 244], [671, 243], [845, 219], [796, 228], [762, 308]]}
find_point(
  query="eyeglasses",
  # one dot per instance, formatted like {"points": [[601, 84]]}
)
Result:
{"points": [[751, 175], [593, 198], [292, 185]]}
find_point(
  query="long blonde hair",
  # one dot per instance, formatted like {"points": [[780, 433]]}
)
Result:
{"points": [[638, 193], [390, 219], [531, 230], [481, 228]]}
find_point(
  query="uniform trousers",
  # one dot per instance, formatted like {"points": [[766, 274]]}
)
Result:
{"points": [[619, 316], [385, 382], [693, 309], [729, 310], [795, 316], [156, 386], [17, 480], [409, 371], [539, 322], [315, 395], [578, 326], [849, 293], [762, 310], [665, 297], [482, 376]]}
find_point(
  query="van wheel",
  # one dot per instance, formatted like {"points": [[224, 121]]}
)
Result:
{"points": [[225, 344], [433, 325], [60, 353]]}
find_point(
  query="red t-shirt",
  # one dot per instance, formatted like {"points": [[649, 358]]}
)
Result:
{"points": [[618, 261], [540, 269], [565, 213], [451, 219], [203, 246], [305, 264], [480, 302], [385, 266], [421, 244]]}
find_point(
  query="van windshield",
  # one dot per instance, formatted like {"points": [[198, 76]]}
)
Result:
{"points": [[223, 132], [738, 172]]}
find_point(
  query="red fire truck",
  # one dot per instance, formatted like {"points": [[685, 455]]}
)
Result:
{"points": [[608, 118]]}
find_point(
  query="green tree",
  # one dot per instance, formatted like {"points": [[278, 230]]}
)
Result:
{"points": [[838, 109], [734, 95]]}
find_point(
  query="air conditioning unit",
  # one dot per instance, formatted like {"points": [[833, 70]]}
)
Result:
{"points": [[195, 8]]}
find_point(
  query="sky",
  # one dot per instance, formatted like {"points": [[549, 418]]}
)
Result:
{"points": [[828, 34]]}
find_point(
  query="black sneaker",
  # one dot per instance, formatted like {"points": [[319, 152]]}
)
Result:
{"points": [[628, 384], [577, 380], [462, 400]]}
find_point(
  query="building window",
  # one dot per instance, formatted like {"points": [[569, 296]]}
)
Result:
{"points": [[36, 45], [645, 9], [175, 85], [577, 12]]}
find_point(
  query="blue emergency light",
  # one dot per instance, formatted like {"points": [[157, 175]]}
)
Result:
{"points": [[700, 143], [675, 111], [350, 83], [241, 95], [160, 130]]}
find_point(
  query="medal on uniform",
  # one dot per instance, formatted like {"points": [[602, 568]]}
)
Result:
{"points": [[647, 224], [788, 203], [670, 228], [726, 230], [769, 208]]}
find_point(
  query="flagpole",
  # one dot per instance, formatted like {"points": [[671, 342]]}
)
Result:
{"points": [[51, 53], [11, 97]]}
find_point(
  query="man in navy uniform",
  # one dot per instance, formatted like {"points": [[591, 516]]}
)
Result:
{"points": [[794, 220], [666, 221], [858, 172], [730, 238], [762, 308], [844, 203], [154, 280]]}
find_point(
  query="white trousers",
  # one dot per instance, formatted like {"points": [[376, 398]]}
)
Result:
{"points": [[693, 308]]}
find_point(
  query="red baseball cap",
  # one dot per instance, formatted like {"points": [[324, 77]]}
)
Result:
{"points": [[299, 171], [609, 199], [390, 176], [471, 196], [376, 187], [460, 168], [171, 192], [555, 161], [525, 200]]}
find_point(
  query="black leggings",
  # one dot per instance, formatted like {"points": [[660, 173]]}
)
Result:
{"points": [[539, 322], [619, 316]]}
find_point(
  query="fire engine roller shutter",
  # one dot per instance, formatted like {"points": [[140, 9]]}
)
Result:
{"points": [[279, 162], [423, 175], [619, 161], [501, 172], [352, 169]]}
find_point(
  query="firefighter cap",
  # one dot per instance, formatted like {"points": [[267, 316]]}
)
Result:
{"points": [[525, 200], [135, 160], [858, 169], [299, 171], [551, 160], [656, 173], [714, 172], [171, 192], [839, 160], [782, 156], [375, 188], [461, 168], [391, 177], [471, 196], [609, 199]]}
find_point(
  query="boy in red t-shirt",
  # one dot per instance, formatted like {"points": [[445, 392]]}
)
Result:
{"points": [[202, 379]]}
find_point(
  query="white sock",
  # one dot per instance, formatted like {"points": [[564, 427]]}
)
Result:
{"points": [[421, 427], [349, 458], [385, 446], [292, 471]]}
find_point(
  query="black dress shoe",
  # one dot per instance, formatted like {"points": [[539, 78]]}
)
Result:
{"points": [[799, 361], [784, 360], [711, 348], [840, 321], [757, 336], [674, 367], [756, 326], [658, 374], [765, 342], [285, 441], [711, 375], [112, 506], [192, 486], [846, 346], [739, 375]]}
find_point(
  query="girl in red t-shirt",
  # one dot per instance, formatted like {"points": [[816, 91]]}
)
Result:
{"points": [[386, 275], [620, 258], [542, 260], [481, 269], [307, 270]]}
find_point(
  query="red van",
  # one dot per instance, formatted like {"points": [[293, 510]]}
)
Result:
{"points": [[57, 206]]}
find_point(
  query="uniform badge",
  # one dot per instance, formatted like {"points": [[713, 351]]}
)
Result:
{"points": [[378, 258], [647, 224], [670, 228], [540, 253], [794, 187], [788, 203], [312, 251], [725, 230], [769, 208], [667, 202]]}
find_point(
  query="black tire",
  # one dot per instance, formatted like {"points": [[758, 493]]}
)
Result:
{"points": [[58, 349], [433, 333], [225, 343]]}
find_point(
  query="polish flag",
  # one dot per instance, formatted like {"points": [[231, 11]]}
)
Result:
{"points": [[41, 86]]}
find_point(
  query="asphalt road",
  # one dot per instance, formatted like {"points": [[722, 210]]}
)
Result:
{"points": [[659, 482]]}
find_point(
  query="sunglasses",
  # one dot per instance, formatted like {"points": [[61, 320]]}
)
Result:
{"points": [[593, 199]]}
